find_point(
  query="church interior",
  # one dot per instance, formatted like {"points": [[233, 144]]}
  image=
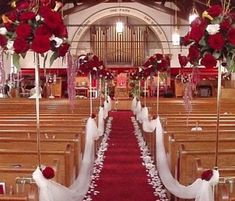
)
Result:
{"points": [[123, 100]]}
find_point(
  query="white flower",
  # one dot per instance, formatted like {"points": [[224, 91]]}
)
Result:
{"points": [[213, 28], [3, 31], [58, 41], [38, 17]]}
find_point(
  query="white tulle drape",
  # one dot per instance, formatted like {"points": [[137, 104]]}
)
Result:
{"points": [[101, 121], [52, 191], [107, 106], [138, 109], [148, 125], [134, 104], [200, 190], [109, 103]]}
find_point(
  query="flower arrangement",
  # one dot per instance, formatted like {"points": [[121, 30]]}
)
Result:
{"points": [[48, 172], [34, 25], [212, 38], [155, 63], [90, 63]]}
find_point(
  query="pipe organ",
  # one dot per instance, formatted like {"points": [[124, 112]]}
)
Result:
{"points": [[125, 49]]}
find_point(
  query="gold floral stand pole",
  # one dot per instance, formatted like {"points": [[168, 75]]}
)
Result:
{"points": [[37, 85], [218, 116]]}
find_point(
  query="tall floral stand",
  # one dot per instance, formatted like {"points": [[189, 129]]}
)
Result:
{"points": [[37, 85]]}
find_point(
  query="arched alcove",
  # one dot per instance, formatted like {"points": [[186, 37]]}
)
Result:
{"points": [[108, 15]]}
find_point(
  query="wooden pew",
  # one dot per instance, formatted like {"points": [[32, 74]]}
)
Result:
{"points": [[18, 178], [46, 144], [186, 167], [195, 144], [65, 157], [14, 197]]}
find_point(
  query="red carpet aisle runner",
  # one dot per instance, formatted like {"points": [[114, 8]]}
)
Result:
{"points": [[123, 175]]}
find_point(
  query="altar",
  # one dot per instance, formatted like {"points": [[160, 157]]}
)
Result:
{"points": [[121, 87]]}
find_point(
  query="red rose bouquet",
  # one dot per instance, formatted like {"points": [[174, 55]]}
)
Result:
{"points": [[34, 25], [212, 38], [153, 64]]}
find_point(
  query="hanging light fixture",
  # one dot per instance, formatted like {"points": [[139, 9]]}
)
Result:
{"points": [[119, 26], [175, 34], [193, 14], [176, 37], [119, 23]]}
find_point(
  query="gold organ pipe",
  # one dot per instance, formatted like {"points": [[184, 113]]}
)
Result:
{"points": [[138, 47], [129, 44], [120, 47], [98, 41], [116, 46], [109, 44], [125, 58]]}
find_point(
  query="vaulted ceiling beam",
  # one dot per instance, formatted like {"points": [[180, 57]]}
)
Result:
{"points": [[162, 8], [83, 6]]}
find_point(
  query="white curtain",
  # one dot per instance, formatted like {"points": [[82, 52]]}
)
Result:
{"points": [[200, 190], [52, 191]]}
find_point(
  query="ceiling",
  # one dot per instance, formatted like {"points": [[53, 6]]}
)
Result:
{"points": [[184, 6]]}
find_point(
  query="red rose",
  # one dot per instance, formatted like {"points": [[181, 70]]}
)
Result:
{"points": [[63, 49], [22, 5], [27, 16], [216, 41], [43, 30], [12, 16], [183, 60], [186, 40], [225, 25], [52, 19], [208, 61], [231, 36], [61, 31], [206, 175], [163, 65], [9, 26], [93, 116], [215, 11], [48, 172], [159, 56], [193, 54], [20, 45], [3, 41], [41, 44], [45, 2], [198, 27], [23, 30]]}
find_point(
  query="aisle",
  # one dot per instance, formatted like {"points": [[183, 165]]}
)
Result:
{"points": [[123, 177]]}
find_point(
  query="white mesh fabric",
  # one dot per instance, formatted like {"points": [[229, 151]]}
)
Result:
{"points": [[200, 190], [52, 191]]}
